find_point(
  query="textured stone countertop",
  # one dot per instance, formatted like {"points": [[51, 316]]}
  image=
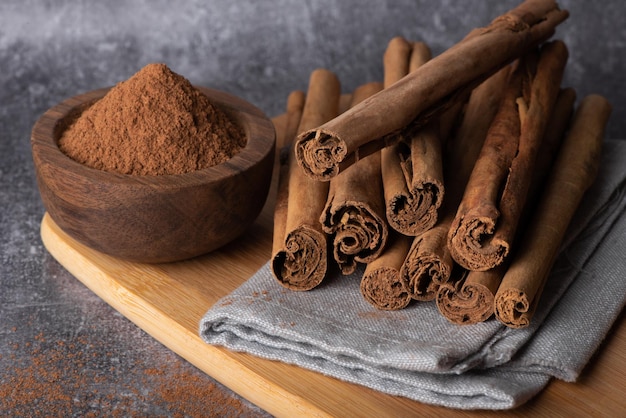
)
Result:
{"points": [[62, 349]]}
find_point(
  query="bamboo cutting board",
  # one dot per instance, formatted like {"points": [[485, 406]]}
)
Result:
{"points": [[168, 301]]}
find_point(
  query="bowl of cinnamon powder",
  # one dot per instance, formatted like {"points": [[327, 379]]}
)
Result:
{"points": [[153, 169]]}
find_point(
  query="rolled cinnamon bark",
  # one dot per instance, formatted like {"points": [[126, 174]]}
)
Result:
{"points": [[470, 299], [429, 263], [381, 284], [330, 148], [412, 170], [295, 104], [355, 211], [300, 259], [487, 218], [574, 171]]}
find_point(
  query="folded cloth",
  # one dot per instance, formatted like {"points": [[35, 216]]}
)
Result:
{"points": [[418, 354]]}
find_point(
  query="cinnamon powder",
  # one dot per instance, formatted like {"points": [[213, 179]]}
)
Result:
{"points": [[154, 123], [51, 376]]}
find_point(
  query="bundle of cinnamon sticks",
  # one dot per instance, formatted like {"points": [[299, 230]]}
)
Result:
{"points": [[453, 180]]}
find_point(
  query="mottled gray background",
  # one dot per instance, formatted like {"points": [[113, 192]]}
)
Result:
{"points": [[259, 50], [263, 49]]}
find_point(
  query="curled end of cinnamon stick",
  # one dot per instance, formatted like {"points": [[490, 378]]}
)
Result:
{"points": [[512, 308], [319, 154], [465, 304], [426, 277], [424, 271], [474, 246], [302, 263], [359, 234], [384, 289], [415, 212]]}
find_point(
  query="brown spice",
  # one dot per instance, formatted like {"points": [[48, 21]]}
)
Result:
{"points": [[154, 123], [57, 377]]}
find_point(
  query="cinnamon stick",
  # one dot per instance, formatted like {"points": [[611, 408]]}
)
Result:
{"points": [[470, 299], [355, 211], [295, 104], [326, 150], [299, 254], [411, 168], [429, 263], [487, 218], [574, 171], [381, 284]]}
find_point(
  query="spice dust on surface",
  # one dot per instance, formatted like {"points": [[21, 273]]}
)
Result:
{"points": [[154, 123], [64, 378]]}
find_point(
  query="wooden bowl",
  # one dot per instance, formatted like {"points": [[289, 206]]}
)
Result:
{"points": [[154, 218]]}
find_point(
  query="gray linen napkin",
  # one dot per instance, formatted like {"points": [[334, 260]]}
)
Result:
{"points": [[415, 352]]}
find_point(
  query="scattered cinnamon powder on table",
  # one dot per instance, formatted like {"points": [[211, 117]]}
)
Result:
{"points": [[52, 376], [154, 123]]}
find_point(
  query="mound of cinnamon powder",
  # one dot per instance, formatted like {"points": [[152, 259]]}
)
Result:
{"points": [[154, 123]]}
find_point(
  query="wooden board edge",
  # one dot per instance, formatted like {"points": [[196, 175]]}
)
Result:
{"points": [[218, 364]]}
